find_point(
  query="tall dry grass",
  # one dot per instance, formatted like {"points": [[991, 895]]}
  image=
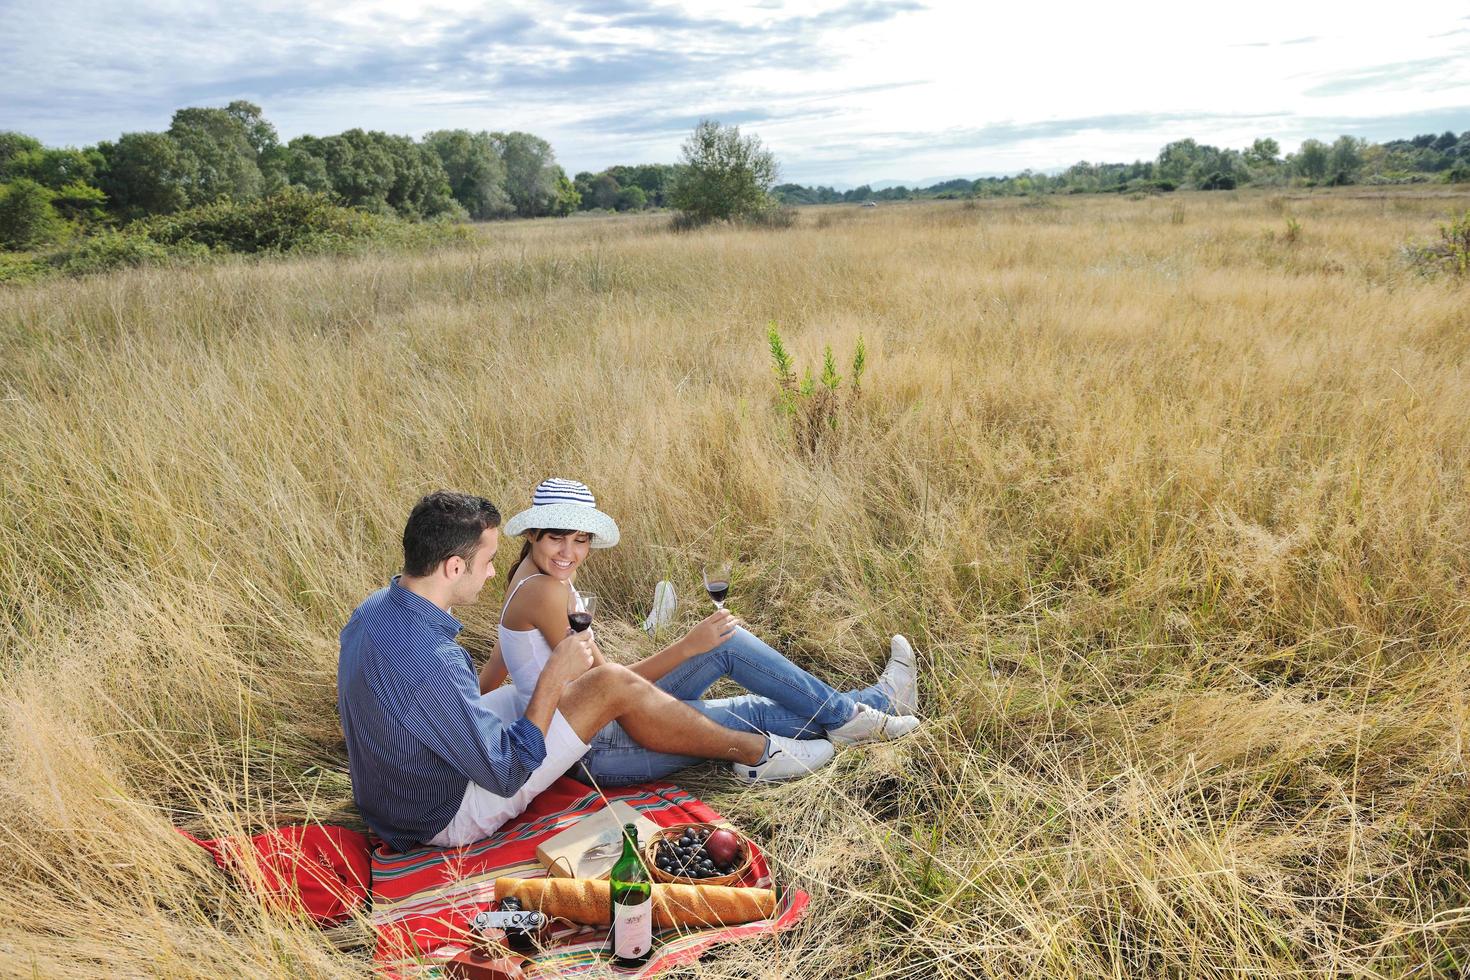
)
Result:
{"points": [[1175, 509]]}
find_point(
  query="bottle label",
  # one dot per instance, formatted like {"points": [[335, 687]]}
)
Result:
{"points": [[632, 929]]}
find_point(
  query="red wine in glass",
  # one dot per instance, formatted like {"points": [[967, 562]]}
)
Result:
{"points": [[580, 608], [717, 582]]}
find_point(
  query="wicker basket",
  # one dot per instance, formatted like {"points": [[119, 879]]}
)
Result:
{"points": [[650, 854]]}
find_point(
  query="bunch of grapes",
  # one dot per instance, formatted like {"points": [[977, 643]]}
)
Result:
{"points": [[691, 856]]}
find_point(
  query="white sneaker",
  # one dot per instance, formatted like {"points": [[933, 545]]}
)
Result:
{"points": [[900, 679], [869, 724], [664, 604], [788, 759]]}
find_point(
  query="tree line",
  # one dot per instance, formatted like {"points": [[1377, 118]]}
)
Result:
{"points": [[209, 155], [627, 188], [1189, 164]]}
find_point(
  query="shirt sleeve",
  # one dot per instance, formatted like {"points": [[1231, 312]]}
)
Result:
{"points": [[452, 723]]}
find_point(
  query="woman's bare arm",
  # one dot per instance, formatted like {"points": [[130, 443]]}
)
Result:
{"points": [[713, 630], [493, 674], [542, 605]]}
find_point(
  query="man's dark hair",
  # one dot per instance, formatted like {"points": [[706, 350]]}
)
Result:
{"points": [[442, 524]]}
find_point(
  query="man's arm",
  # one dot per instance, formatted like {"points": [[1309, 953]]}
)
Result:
{"points": [[447, 718]]}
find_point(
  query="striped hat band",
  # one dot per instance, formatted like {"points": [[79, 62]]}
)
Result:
{"points": [[558, 491]]}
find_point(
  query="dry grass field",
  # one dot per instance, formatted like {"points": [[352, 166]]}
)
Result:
{"points": [[1176, 510]]}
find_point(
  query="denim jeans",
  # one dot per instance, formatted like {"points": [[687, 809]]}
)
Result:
{"points": [[785, 700]]}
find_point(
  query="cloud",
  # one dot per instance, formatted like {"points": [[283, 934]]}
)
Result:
{"points": [[1013, 133], [1391, 127], [1273, 44], [1380, 76], [615, 80]]}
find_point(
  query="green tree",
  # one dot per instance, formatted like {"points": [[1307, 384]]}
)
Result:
{"points": [[1264, 152], [144, 173], [222, 158], [420, 188], [1345, 159], [567, 199], [80, 203], [605, 191], [725, 175], [359, 167], [530, 173], [27, 218], [583, 184], [1311, 159], [13, 145], [377, 172], [1176, 160], [270, 155], [302, 164], [475, 172], [631, 199], [55, 168], [259, 132]]}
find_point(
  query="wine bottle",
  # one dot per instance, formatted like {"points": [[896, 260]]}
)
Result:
{"points": [[632, 905]]}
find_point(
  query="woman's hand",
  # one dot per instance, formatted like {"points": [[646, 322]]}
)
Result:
{"points": [[715, 629]]}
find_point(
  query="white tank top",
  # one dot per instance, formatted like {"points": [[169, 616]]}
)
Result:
{"points": [[525, 652]]}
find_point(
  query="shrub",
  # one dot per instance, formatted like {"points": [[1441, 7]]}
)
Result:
{"points": [[294, 222], [290, 221], [814, 406], [27, 218], [1450, 254], [111, 250], [21, 268], [774, 216]]}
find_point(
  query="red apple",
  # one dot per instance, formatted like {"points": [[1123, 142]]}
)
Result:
{"points": [[723, 847]]}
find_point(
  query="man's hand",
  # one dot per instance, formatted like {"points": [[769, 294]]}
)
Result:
{"points": [[713, 630], [572, 657], [570, 660]]}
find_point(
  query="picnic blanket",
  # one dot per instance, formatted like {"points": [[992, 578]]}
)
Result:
{"points": [[423, 899], [322, 872]]}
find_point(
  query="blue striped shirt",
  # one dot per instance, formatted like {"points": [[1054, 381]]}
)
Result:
{"points": [[417, 734]]}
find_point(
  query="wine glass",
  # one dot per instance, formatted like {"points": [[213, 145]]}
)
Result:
{"points": [[717, 582], [581, 606]]}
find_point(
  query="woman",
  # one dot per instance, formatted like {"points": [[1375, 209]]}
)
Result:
{"points": [[561, 527]]}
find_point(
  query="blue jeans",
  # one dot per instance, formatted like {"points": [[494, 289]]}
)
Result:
{"points": [[786, 700]]}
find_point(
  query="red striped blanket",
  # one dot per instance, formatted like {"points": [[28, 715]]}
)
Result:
{"points": [[423, 899]]}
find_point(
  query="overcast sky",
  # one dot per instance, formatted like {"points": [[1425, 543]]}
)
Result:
{"points": [[843, 91]]}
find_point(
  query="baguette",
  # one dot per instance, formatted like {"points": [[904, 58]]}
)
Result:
{"points": [[588, 901]]}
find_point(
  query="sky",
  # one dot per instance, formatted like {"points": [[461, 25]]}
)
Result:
{"points": [[842, 91]]}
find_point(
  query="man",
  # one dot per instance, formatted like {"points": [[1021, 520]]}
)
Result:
{"points": [[432, 760]]}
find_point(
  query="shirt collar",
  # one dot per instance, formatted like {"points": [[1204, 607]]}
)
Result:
{"points": [[424, 609]]}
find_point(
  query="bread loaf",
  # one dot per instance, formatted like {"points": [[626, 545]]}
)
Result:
{"points": [[587, 901]]}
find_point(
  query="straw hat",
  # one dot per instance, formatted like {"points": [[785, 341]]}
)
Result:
{"points": [[569, 505]]}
